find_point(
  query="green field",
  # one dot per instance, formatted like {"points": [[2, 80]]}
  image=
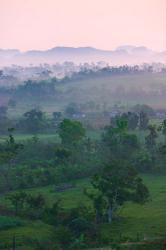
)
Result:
{"points": [[42, 137], [147, 220], [52, 137]]}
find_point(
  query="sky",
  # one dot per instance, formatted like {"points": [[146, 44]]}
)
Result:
{"points": [[104, 24]]}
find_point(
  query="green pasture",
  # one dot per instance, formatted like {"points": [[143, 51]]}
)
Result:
{"points": [[141, 221]]}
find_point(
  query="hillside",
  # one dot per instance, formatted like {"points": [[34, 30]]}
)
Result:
{"points": [[101, 92]]}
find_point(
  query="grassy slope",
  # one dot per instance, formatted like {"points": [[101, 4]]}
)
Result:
{"points": [[99, 89], [148, 219]]}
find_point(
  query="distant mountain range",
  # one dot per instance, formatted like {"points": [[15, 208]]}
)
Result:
{"points": [[121, 55]]}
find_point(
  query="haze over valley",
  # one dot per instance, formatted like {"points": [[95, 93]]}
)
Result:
{"points": [[121, 55], [82, 125]]}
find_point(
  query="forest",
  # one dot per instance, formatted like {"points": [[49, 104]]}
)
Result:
{"points": [[67, 183]]}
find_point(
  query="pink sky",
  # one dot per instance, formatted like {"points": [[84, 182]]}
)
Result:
{"points": [[106, 24]]}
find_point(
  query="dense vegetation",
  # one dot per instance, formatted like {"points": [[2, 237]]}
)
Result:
{"points": [[92, 90], [84, 174], [113, 164]]}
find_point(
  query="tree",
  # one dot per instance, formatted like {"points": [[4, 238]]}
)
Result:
{"points": [[132, 119], [143, 108], [18, 200], [118, 180], [8, 152], [62, 155], [117, 142], [143, 161], [71, 132], [33, 121], [72, 109], [151, 137], [35, 202], [52, 215], [3, 119], [36, 90], [117, 183], [57, 118], [35, 205], [143, 121], [99, 204], [164, 128], [150, 140]]}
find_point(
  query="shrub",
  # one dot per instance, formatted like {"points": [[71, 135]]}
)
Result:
{"points": [[9, 222]]}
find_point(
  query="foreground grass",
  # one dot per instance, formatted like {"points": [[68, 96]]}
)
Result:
{"points": [[33, 230], [136, 221], [147, 220]]}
